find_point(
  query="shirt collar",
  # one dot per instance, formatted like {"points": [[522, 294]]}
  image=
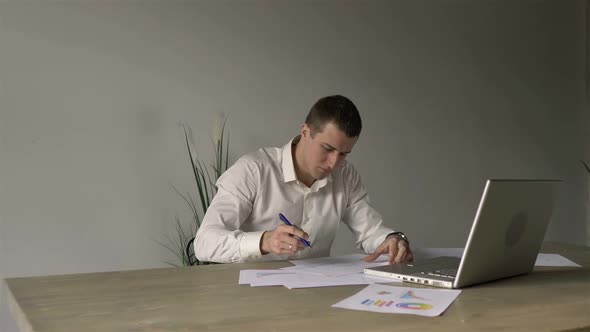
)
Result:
{"points": [[289, 166]]}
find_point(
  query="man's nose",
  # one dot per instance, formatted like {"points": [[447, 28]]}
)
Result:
{"points": [[334, 159]]}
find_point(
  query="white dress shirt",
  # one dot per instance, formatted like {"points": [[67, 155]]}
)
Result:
{"points": [[260, 185]]}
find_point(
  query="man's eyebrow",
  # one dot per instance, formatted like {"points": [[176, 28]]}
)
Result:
{"points": [[333, 148]]}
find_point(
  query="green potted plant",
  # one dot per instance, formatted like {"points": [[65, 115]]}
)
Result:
{"points": [[205, 179]]}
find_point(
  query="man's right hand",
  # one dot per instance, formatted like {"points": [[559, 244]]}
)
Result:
{"points": [[280, 241]]}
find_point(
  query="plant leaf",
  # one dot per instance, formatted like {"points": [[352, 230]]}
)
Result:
{"points": [[205, 182]]}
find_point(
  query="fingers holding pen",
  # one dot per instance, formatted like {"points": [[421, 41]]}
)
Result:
{"points": [[297, 235], [294, 231], [283, 240]]}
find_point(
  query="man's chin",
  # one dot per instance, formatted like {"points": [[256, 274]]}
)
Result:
{"points": [[321, 176]]}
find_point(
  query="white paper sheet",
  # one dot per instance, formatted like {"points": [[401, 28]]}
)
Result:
{"points": [[400, 300], [554, 260], [335, 266], [260, 276], [312, 262], [296, 279], [324, 281]]}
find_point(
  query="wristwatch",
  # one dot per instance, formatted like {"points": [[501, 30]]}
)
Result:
{"points": [[401, 235]]}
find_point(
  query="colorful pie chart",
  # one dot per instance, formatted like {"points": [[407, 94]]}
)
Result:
{"points": [[414, 306]]}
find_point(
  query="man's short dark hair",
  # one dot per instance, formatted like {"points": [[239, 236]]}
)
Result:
{"points": [[338, 110]]}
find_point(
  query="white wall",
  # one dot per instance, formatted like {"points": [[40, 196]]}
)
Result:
{"points": [[451, 93]]}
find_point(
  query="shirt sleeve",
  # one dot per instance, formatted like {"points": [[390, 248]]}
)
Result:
{"points": [[219, 238], [359, 215]]}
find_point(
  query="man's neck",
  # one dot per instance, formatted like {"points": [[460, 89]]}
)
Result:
{"points": [[297, 155]]}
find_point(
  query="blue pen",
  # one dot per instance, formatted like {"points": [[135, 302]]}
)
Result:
{"points": [[284, 219]]}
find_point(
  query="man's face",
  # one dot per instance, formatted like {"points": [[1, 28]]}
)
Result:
{"points": [[323, 152]]}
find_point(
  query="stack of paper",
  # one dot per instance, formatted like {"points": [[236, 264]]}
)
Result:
{"points": [[317, 272]]}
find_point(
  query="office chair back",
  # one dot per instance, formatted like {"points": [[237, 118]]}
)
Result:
{"points": [[190, 253]]}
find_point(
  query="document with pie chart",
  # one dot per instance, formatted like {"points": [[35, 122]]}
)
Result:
{"points": [[401, 300]]}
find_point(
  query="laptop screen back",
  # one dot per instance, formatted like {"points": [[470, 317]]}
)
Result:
{"points": [[508, 230]]}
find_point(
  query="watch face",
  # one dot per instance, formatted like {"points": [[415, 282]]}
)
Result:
{"points": [[402, 235]]}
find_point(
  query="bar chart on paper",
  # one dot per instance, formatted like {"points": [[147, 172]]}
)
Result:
{"points": [[409, 295], [378, 302]]}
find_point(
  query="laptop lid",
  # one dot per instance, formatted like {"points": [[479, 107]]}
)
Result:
{"points": [[505, 237], [508, 230]]}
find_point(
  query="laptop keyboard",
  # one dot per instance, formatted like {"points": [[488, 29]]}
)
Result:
{"points": [[446, 267], [445, 272]]}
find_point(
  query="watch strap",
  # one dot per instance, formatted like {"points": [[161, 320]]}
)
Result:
{"points": [[401, 235]]}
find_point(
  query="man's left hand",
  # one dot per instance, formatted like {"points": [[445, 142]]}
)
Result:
{"points": [[396, 248]]}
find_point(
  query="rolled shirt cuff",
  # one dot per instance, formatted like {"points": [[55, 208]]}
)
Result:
{"points": [[250, 246]]}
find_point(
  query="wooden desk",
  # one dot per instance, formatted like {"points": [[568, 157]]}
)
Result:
{"points": [[209, 298]]}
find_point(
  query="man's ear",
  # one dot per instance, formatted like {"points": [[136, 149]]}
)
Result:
{"points": [[305, 131]]}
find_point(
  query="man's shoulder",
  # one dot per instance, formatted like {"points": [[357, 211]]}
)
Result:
{"points": [[251, 166], [263, 157]]}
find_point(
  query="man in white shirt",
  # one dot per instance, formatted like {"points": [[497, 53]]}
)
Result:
{"points": [[311, 184]]}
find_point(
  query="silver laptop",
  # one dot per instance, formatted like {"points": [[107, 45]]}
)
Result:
{"points": [[504, 241]]}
